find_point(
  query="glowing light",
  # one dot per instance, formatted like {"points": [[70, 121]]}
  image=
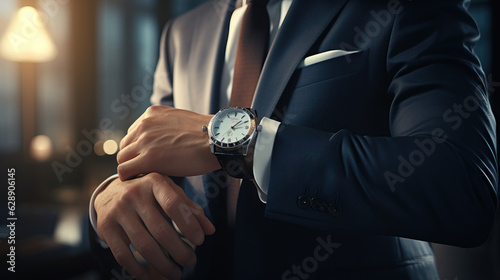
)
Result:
{"points": [[68, 229], [27, 39], [110, 147], [41, 148]]}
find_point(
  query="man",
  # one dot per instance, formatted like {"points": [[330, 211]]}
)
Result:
{"points": [[376, 132]]}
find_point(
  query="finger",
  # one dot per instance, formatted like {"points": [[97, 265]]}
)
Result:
{"points": [[154, 274], [118, 242], [167, 236], [128, 139], [127, 153], [134, 167], [175, 204], [147, 246], [192, 210], [207, 226], [132, 133]]}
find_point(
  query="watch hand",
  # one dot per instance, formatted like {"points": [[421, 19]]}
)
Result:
{"points": [[232, 127]]}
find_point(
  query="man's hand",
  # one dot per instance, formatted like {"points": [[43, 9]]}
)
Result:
{"points": [[167, 141], [137, 212]]}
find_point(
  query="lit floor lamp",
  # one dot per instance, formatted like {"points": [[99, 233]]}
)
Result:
{"points": [[27, 41]]}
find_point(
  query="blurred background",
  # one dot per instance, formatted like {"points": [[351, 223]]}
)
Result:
{"points": [[65, 106]]}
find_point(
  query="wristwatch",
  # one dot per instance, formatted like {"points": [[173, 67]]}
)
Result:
{"points": [[232, 133]]}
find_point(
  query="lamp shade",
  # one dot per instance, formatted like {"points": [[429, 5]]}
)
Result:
{"points": [[27, 39]]}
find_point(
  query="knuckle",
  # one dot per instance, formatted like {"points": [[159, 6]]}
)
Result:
{"points": [[197, 209], [131, 195], [149, 120], [172, 203], [186, 212], [130, 129], [154, 178], [108, 228], [141, 141], [142, 125], [122, 144], [104, 226], [150, 153], [119, 156], [121, 169], [154, 108], [145, 124], [103, 231], [159, 231]]}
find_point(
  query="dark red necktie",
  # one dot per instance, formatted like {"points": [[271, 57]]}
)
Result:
{"points": [[253, 43]]}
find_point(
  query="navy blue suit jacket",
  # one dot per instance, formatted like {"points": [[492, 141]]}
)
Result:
{"points": [[379, 152]]}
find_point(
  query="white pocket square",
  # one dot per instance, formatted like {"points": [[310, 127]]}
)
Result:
{"points": [[317, 58]]}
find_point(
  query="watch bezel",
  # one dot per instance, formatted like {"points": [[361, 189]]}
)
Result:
{"points": [[237, 144]]}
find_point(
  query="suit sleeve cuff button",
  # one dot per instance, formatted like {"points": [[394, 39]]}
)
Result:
{"points": [[318, 205], [303, 201], [334, 210]]}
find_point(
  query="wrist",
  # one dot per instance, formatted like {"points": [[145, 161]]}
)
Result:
{"points": [[208, 157]]}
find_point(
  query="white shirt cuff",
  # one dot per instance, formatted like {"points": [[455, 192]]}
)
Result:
{"points": [[92, 212], [262, 156]]}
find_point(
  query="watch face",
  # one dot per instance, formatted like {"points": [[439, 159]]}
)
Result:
{"points": [[232, 127]]}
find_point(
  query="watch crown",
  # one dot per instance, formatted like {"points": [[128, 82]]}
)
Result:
{"points": [[259, 128], [204, 128]]}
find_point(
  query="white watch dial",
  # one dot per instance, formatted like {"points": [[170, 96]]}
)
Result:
{"points": [[231, 127]]}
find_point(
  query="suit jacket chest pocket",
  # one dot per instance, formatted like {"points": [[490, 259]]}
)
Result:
{"points": [[335, 68], [326, 95]]}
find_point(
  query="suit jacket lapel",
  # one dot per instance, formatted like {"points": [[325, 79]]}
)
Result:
{"points": [[304, 24]]}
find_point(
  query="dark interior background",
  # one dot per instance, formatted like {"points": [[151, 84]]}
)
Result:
{"points": [[98, 84]]}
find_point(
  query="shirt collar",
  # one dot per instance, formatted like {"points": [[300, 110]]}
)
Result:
{"points": [[240, 3]]}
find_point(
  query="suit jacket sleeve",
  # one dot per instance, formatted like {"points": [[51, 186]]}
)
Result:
{"points": [[435, 177]]}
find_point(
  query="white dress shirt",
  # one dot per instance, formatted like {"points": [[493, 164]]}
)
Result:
{"points": [[277, 10]]}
